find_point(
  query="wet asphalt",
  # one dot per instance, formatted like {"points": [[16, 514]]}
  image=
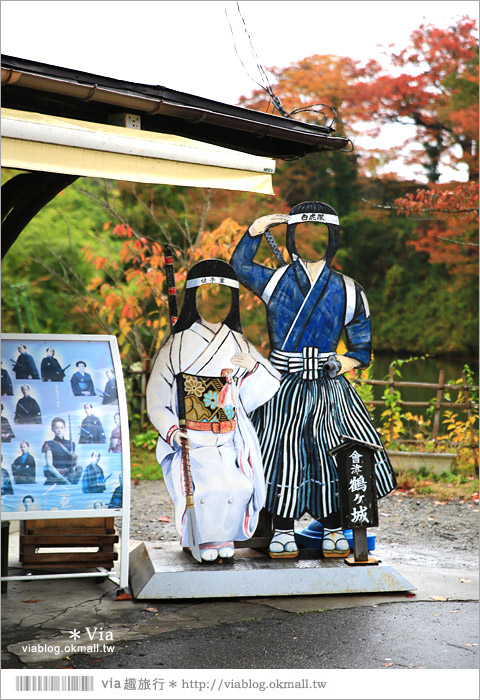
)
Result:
{"points": [[400, 635]]}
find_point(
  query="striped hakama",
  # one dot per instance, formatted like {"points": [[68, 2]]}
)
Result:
{"points": [[297, 428]]}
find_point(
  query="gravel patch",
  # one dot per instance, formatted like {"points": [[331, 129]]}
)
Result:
{"points": [[451, 527]]}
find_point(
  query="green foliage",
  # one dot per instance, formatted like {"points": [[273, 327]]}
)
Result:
{"points": [[49, 255], [328, 177], [144, 464], [402, 430], [52, 240], [393, 418], [416, 306], [470, 381], [147, 439], [365, 391]]}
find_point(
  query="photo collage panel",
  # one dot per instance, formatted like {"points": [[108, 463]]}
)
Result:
{"points": [[60, 426]]}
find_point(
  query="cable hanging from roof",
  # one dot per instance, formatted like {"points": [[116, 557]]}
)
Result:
{"points": [[265, 84]]}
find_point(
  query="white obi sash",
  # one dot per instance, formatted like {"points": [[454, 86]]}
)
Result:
{"points": [[309, 362]]}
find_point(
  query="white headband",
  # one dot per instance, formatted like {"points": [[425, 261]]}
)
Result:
{"points": [[212, 280], [317, 217]]}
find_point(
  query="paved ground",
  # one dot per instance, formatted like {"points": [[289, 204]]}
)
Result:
{"points": [[436, 628], [422, 635], [433, 627]]}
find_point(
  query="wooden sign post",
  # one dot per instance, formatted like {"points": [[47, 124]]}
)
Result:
{"points": [[358, 499]]}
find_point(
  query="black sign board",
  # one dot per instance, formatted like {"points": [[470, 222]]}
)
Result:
{"points": [[356, 474]]}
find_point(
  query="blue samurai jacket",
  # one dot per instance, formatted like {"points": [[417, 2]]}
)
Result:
{"points": [[301, 313]]}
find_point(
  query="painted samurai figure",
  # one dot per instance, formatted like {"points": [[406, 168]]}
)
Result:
{"points": [[224, 378], [309, 306]]}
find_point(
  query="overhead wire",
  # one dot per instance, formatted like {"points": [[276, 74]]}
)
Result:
{"points": [[267, 87]]}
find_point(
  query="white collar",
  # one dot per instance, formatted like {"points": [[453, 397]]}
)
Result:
{"points": [[305, 267], [214, 327]]}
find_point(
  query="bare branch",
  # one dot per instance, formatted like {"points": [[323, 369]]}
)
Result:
{"points": [[150, 210], [203, 217], [378, 206], [454, 240], [435, 211]]}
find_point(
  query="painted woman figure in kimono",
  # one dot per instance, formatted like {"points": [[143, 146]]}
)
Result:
{"points": [[308, 306], [225, 378]]}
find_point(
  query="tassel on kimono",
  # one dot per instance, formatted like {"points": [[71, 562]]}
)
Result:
{"points": [[226, 397]]}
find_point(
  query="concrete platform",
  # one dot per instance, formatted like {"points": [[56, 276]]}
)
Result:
{"points": [[164, 571]]}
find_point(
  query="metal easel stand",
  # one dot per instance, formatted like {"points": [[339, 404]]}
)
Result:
{"points": [[87, 574], [120, 579]]}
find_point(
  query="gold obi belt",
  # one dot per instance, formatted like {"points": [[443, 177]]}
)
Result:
{"points": [[202, 411]]}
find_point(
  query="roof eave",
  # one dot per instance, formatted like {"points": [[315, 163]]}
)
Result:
{"points": [[239, 127]]}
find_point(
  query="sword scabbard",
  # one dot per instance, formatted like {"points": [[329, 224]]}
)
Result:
{"points": [[275, 249]]}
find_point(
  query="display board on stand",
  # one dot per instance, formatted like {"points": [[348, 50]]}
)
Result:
{"points": [[65, 453]]}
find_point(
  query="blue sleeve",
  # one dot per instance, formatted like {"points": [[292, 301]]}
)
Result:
{"points": [[358, 332], [32, 368], [251, 274]]}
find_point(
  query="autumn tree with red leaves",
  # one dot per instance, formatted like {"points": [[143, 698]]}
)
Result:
{"points": [[449, 234], [437, 93], [130, 296]]}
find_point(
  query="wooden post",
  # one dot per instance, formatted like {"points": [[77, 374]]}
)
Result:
{"points": [[4, 543], [438, 402], [143, 391], [391, 384], [360, 545], [358, 497]]}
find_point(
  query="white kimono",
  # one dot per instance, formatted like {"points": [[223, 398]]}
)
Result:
{"points": [[226, 469]]}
